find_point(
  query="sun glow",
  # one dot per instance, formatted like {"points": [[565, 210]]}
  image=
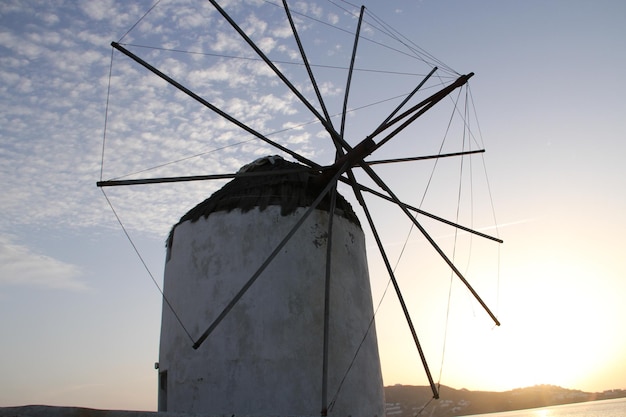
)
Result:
{"points": [[548, 339], [555, 318]]}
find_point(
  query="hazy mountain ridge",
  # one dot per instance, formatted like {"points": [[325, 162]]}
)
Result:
{"points": [[408, 400]]}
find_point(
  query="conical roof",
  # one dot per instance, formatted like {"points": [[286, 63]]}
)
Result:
{"points": [[287, 184]]}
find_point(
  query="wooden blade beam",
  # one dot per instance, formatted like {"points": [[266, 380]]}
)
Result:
{"points": [[320, 99], [419, 109], [327, 282], [160, 180], [407, 98], [269, 259], [432, 242], [396, 286], [350, 71], [422, 212], [421, 158], [211, 106], [329, 128]]}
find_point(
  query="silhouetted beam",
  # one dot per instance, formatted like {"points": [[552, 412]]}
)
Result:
{"points": [[270, 258], [340, 159], [353, 157], [320, 99], [420, 158], [160, 180], [419, 109], [422, 212], [329, 251], [216, 109], [349, 80], [392, 277], [329, 128], [407, 98], [432, 242]]}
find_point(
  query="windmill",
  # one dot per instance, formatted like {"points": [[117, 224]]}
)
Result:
{"points": [[351, 159]]}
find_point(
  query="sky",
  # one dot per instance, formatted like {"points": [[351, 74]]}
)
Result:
{"points": [[80, 314]]}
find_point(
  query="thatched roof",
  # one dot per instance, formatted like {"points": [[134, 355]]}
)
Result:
{"points": [[288, 185]]}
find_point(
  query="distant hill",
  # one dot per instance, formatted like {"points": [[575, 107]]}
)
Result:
{"points": [[408, 400]]}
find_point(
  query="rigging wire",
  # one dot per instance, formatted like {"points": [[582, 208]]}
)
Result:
{"points": [[421, 410], [295, 127], [466, 119], [420, 53], [106, 115], [475, 113], [119, 220], [143, 262], [455, 246], [186, 158], [277, 61], [493, 210], [362, 37], [396, 35], [356, 353], [138, 21], [492, 205], [471, 179]]}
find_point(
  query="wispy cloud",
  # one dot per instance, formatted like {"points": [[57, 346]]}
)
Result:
{"points": [[54, 77], [22, 267]]}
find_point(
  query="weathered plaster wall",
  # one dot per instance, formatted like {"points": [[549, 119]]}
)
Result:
{"points": [[265, 358]]}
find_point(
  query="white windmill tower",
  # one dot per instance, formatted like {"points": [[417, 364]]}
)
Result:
{"points": [[296, 329], [267, 302]]}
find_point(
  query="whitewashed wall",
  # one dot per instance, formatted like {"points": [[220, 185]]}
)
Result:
{"points": [[265, 358]]}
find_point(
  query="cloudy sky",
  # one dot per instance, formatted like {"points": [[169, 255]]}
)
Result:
{"points": [[80, 312]]}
